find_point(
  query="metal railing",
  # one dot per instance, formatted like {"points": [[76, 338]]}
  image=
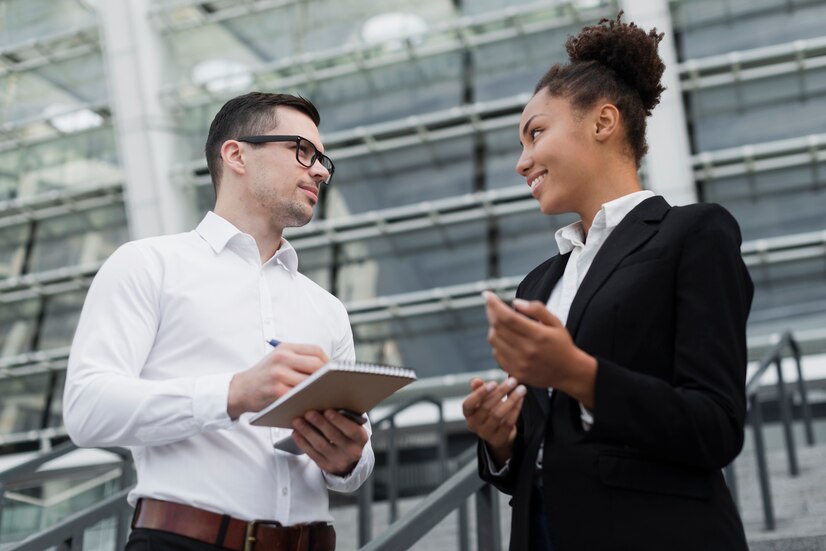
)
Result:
{"points": [[774, 357], [387, 427], [69, 532], [451, 495]]}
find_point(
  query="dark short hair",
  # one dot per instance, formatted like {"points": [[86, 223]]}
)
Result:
{"points": [[614, 61], [248, 115]]}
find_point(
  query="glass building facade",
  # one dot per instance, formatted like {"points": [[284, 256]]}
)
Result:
{"points": [[419, 103]]}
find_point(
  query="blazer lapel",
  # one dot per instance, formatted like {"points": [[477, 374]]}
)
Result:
{"points": [[538, 286], [633, 232]]}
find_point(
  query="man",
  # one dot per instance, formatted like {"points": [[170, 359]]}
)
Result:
{"points": [[171, 352]]}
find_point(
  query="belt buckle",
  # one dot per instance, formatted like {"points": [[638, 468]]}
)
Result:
{"points": [[249, 536]]}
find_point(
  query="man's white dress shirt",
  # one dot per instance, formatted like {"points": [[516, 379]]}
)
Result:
{"points": [[166, 324]]}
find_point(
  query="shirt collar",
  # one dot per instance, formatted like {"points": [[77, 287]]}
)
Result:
{"points": [[218, 231], [607, 218]]}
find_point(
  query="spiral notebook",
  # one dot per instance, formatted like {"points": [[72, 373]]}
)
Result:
{"points": [[354, 386]]}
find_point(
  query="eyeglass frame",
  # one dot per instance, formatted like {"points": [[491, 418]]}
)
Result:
{"points": [[277, 138]]}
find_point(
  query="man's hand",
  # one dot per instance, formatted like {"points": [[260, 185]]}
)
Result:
{"points": [[331, 440], [533, 346], [276, 373], [491, 411]]}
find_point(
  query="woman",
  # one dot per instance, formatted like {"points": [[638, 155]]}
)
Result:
{"points": [[626, 352]]}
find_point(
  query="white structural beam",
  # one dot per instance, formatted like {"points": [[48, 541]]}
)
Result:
{"points": [[133, 52], [668, 163]]}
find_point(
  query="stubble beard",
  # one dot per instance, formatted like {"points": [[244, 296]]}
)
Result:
{"points": [[293, 213]]}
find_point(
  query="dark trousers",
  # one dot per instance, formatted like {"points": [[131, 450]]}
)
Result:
{"points": [[142, 539], [540, 531]]}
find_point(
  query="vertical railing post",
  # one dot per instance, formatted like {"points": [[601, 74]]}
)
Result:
{"points": [[488, 530], [365, 511], [786, 417], [762, 467], [805, 409], [2, 504], [392, 472], [464, 528]]}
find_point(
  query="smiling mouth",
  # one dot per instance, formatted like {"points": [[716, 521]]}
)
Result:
{"points": [[536, 181]]}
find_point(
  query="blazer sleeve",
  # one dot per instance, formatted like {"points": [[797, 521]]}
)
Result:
{"points": [[697, 417]]}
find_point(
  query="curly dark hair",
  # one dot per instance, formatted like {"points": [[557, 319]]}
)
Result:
{"points": [[612, 61]]}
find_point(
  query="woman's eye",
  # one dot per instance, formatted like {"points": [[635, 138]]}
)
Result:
{"points": [[535, 132]]}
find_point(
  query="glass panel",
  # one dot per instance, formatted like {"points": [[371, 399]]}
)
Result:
{"points": [[403, 176], [13, 243], [18, 323], [434, 257], [20, 20], [79, 238], [60, 317], [22, 400], [527, 240], [513, 67], [709, 27], [502, 152], [81, 159], [788, 294], [53, 89], [748, 112], [774, 202], [433, 344]]}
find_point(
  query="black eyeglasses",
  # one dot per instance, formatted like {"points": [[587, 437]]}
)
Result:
{"points": [[306, 153]]}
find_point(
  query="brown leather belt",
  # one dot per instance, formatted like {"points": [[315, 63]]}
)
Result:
{"points": [[231, 533]]}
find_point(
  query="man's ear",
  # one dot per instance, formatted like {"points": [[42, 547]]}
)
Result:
{"points": [[606, 123], [232, 157]]}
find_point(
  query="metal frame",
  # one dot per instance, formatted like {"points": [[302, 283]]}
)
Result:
{"points": [[460, 34], [774, 357]]}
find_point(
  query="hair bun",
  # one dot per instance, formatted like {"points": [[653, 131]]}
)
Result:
{"points": [[625, 49]]}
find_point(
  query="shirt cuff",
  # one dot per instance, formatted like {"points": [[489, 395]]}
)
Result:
{"points": [[587, 417], [491, 467], [209, 402]]}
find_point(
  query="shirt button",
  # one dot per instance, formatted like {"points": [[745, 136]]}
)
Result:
{"points": [[284, 491]]}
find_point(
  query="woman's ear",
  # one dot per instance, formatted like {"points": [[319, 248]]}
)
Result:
{"points": [[606, 122], [232, 157]]}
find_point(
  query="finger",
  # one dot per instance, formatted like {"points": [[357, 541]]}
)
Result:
{"points": [[475, 398], [315, 439], [517, 323], [304, 350], [343, 431], [476, 382], [519, 394], [506, 339], [299, 362], [504, 414], [306, 446], [536, 310], [494, 398], [494, 307], [289, 377]]}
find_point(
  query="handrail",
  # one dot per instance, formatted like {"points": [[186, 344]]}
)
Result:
{"points": [[434, 508], [365, 495], [68, 533], [774, 357], [70, 529]]}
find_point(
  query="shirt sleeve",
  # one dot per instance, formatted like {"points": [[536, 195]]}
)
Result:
{"points": [[345, 351], [106, 402]]}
